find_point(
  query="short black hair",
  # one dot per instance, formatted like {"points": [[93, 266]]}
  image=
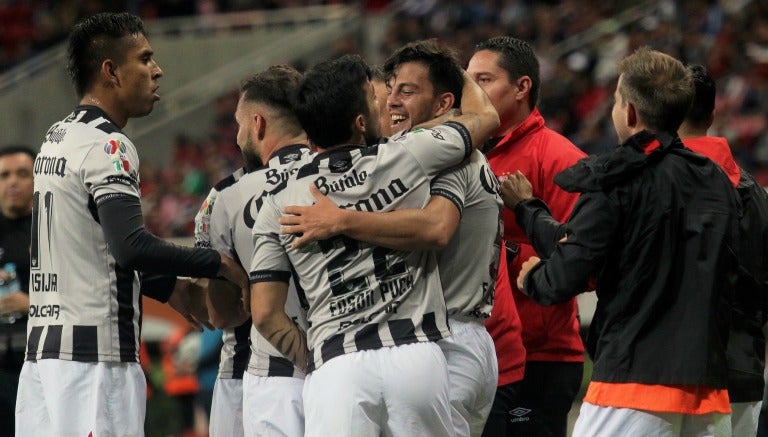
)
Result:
{"points": [[517, 58], [274, 87], [13, 149], [442, 62], [703, 104], [377, 74], [95, 39], [329, 98]]}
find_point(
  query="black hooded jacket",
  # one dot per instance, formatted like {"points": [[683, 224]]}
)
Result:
{"points": [[656, 225]]}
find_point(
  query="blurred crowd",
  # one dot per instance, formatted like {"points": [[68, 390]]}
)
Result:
{"points": [[729, 37]]}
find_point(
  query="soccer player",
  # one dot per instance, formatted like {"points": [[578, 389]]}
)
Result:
{"points": [[82, 375], [462, 217], [746, 340], [270, 391], [507, 69], [374, 312], [656, 225]]}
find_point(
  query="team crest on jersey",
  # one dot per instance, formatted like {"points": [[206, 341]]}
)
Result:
{"points": [[116, 149]]}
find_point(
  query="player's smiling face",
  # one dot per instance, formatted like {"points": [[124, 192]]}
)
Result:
{"points": [[412, 99]]}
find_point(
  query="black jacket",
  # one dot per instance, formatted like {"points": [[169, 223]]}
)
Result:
{"points": [[656, 226], [746, 344]]}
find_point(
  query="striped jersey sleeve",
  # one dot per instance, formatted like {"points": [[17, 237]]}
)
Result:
{"points": [[469, 288]]}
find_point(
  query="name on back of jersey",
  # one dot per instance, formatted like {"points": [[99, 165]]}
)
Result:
{"points": [[44, 282]]}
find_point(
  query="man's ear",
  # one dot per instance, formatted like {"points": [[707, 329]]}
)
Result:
{"points": [[260, 126], [631, 115], [360, 124], [109, 72], [445, 102], [523, 84]]}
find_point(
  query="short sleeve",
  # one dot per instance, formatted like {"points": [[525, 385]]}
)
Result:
{"points": [[438, 148], [452, 184], [111, 169], [203, 220], [269, 262]]}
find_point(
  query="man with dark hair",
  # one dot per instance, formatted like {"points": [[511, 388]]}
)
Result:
{"points": [[374, 313], [508, 71], [266, 385], [88, 244], [424, 83], [746, 340], [462, 219], [16, 187], [379, 81], [656, 225]]}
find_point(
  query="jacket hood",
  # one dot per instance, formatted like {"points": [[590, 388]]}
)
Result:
{"points": [[605, 170]]}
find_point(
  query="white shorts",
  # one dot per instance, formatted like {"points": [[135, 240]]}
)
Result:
{"points": [[597, 421], [272, 406], [227, 408], [744, 418], [473, 372], [392, 391], [71, 398]]}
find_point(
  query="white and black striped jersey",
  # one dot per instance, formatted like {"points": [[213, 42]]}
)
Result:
{"points": [[83, 306], [235, 349], [230, 227], [363, 296], [473, 188]]}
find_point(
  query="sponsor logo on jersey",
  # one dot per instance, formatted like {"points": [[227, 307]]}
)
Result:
{"points": [[379, 199], [352, 179], [49, 165], [115, 149], [44, 311]]}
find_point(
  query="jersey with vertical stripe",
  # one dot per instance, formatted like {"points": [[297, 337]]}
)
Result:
{"points": [[473, 188], [84, 306], [235, 348], [363, 296], [231, 222]]}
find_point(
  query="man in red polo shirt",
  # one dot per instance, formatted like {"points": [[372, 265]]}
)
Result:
{"points": [[507, 69]]}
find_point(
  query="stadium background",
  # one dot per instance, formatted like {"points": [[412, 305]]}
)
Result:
{"points": [[205, 47]]}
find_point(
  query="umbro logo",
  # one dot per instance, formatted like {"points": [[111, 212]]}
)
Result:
{"points": [[340, 166], [437, 135], [519, 411], [290, 157], [520, 414]]}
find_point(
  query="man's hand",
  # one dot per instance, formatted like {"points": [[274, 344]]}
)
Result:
{"points": [[16, 302], [311, 223], [515, 189], [188, 299], [233, 272], [526, 267]]}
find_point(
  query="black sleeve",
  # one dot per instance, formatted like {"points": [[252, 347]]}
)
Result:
{"points": [[535, 219], [135, 248], [157, 286], [591, 231]]}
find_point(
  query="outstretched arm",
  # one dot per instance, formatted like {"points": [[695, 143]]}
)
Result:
{"points": [[225, 304], [408, 229]]}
